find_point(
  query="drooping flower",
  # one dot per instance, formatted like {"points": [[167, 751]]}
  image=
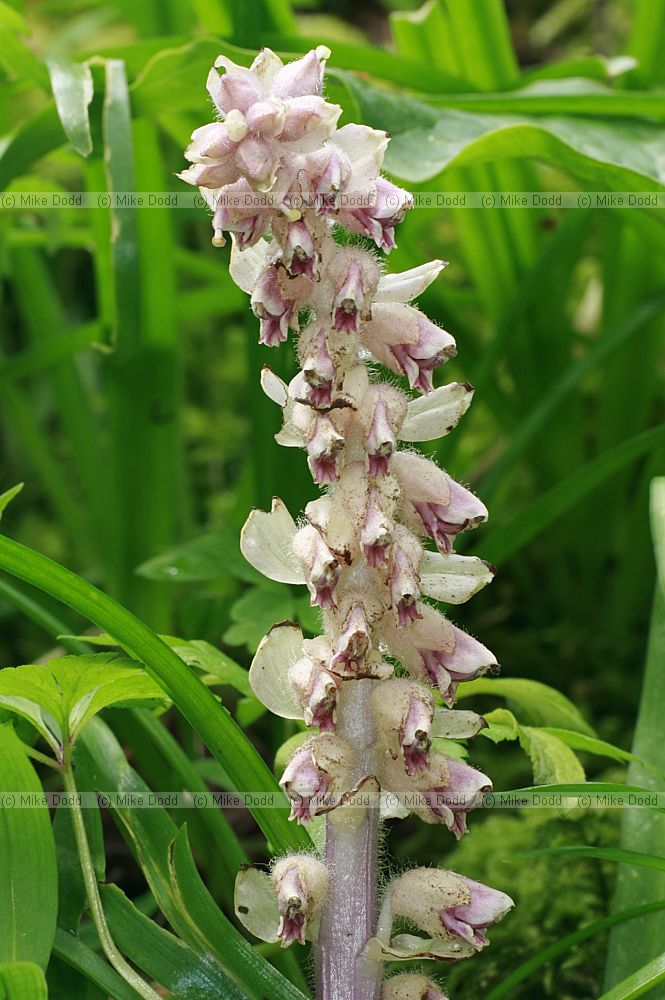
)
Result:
{"points": [[301, 885], [317, 776]]}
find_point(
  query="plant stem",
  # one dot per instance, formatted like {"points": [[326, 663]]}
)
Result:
{"points": [[352, 858], [109, 947]]}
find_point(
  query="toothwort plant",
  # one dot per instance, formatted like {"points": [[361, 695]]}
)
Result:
{"points": [[290, 187]]}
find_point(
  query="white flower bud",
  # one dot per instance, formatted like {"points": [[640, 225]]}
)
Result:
{"points": [[404, 711], [301, 886]]}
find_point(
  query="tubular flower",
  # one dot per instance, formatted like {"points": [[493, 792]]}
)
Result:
{"points": [[446, 905], [285, 182]]}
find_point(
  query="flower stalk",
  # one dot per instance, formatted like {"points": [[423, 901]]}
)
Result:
{"points": [[308, 210]]}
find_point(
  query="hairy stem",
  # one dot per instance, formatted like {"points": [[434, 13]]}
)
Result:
{"points": [[109, 946], [351, 854]]}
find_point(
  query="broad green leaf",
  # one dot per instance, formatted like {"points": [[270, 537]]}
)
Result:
{"points": [[538, 703], [73, 91], [61, 696], [593, 150], [506, 988], [169, 870], [22, 981], [561, 97], [161, 955], [79, 956], [642, 981], [644, 831], [8, 496], [28, 872], [551, 759]]}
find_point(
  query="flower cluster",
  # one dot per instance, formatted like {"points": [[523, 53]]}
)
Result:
{"points": [[377, 545]]}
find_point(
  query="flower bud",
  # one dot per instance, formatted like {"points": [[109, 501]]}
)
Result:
{"points": [[317, 775], [320, 565], [404, 577], [301, 886], [381, 441], [447, 906], [376, 534], [302, 76], [437, 651], [300, 256], [316, 690], [273, 309], [434, 504], [442, 792], [323, 449], [353, 644], [404, 711], [318, 369], [411, 986], [354, 276], [403, 339], [379, 218], [308, 122]]}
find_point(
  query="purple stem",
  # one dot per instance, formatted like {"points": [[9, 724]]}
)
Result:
{"points": [[349, 918]]}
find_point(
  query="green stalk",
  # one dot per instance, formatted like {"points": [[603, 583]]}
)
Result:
{"points": [[109, 948]]}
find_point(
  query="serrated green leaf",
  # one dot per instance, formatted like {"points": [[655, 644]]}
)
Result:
{"points": [[28, 872], [73, 91], [552, 760], [538, 703], [501, 725], [589, 744], [61, 696]]}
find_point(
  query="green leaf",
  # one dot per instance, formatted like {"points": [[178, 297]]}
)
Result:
{"points": [[551, 759], [73, 91], [501, 725], [208, 557], [28, 873], [22, 981], [226, 741], [255, 613], [645, 831], [589, 744], [161, 955], [506, 988], [61, 696], [196, 653], [7, 497], [79, 956], [182, 898], [212, 933], [598, 853], [514, 534], [640, 982], [538, 703], [31, 140], [595, 151]]}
